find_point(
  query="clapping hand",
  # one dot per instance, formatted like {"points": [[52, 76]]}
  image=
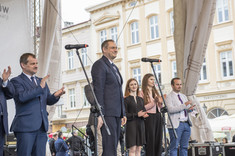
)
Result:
{"points": [[6, 74], [59, 92], [43, 81]]}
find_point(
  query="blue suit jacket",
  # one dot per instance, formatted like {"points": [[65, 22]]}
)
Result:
{"points": [[61, 147], [30, 103], [107, 88], [5, 93]]}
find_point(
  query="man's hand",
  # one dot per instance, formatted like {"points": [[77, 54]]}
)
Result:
{"points": [[6, 74], [59, 92], [100, 122], [43, 81], [192, 107], [188, 102], [124, 119]]}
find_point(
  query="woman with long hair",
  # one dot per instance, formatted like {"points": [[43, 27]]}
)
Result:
{"points": [[154, 123], [135, 113]]}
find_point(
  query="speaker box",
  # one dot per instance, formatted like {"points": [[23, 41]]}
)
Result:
{"points": [[205, 149], [229, 149]]}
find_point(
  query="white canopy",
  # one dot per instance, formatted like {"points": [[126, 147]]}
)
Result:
{"points": [[223, 123]]}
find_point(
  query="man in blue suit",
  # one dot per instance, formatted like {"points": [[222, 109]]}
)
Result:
{"points": [[6, 92], [107, 83], [32, 95]]}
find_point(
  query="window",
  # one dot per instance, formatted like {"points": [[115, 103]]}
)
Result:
{"points": [[59, 108], [137, 74], [86, 103], [154, 30], [103, 36], [157, 69], [70, 60], [203, 75], [72, 98], [134, 33], [84, 56], [113, 34], [222, 11], [174, 69], [172, 23], [216, 112], [226, 64]]}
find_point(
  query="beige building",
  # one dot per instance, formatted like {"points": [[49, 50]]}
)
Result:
{"points": [[74, 109], [144, 28]]}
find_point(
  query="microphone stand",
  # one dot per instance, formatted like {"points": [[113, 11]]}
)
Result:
{"points": [[163, 111], [97, 107]]}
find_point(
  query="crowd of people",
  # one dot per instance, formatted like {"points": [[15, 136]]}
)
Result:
{"points": [[73, 146]]}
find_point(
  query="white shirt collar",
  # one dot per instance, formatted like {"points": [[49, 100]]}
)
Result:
{"points": [[28, 76], [176, 93]]}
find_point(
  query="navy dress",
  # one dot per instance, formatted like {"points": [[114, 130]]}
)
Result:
{"points": [[135, 128]]}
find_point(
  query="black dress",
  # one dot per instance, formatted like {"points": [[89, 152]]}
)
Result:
{"points": [[135, 129]]}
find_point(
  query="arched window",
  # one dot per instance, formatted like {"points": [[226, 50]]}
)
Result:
{"points": [[216, 112]]}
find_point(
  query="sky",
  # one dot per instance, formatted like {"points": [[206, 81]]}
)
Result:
{"points": [[74, 10]]}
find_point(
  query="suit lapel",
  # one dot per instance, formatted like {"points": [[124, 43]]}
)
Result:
{"points": [[27, 80], [113, 70]]}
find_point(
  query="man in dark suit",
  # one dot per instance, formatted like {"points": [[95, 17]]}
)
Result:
{"points": [[6, 92], [107, 83], [32, 95]]}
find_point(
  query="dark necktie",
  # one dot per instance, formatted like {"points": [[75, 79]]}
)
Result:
{"points": [[116, 72], [185, 112], [33, 81]]}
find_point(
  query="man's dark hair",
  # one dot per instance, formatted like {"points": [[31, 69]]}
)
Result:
{"points": [[60, 134], [173, 80], [55, 135], [106, 43], [25, 56]]}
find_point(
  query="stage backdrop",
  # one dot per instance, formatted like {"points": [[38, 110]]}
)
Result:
{"points": [[15, 38]]}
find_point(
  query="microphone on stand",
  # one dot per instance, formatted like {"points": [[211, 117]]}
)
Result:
{"points": [[75, 46], [150, 60]]}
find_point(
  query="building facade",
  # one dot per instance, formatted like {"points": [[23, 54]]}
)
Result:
{"points": [[145, 28], [74, 108]]}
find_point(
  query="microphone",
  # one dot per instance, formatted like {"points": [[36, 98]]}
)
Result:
{"points": [[75, 46], [150, 60]]}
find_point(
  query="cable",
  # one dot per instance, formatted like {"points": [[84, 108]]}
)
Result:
{"points": [[127, 20], [70, 31]]}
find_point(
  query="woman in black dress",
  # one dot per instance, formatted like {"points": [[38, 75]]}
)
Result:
{"points": [[154, 123], [135, 113]]}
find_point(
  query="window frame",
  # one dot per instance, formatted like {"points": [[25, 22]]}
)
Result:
{"points": [[70, 55], [72, 98], [136, 73], [154, 27], [228, 59], [134, 30]]}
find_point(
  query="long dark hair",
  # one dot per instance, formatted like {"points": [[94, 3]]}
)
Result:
{"points": [[145, 88], [127, 90]]}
